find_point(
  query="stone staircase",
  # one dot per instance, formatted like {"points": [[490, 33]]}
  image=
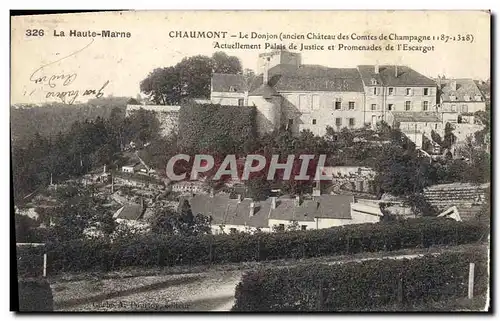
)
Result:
{"points": [[468, 198]]}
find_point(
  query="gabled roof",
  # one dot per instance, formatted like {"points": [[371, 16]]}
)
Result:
{"points": [[464, 87], [129, 212], [425, 117], [406, 77], [225, 210]]}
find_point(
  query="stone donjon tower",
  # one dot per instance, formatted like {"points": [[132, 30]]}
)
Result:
{"points": [[265, 98], [270, 59]]}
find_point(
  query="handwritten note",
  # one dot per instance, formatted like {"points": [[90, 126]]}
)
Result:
{"points": [[59, 84]]}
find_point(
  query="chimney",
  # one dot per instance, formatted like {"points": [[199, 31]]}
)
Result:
{"points": [[376, 68], [273, 203], [453, 85], [252, 208], [266, 72], [396, 71], [104, 170], [297, 200]]}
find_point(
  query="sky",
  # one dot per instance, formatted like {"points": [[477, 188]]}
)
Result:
{"points": [[52, 67]]}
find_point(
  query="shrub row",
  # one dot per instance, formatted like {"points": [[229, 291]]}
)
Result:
{"points": [[35, 295], [362, 285], [162, 250]]}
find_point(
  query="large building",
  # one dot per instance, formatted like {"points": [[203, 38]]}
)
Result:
{"points": [[460, 99], [288, 93]]}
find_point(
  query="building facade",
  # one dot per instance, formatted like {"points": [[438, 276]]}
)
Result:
{"points": [[289, 94], [460, 99]]}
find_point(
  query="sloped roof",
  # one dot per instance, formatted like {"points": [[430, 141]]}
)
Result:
{"points": [[225, 82], [464, 87], [406, 77], [265, 91], [284, 77], [425, 117], [129, 212], [225, 210]]}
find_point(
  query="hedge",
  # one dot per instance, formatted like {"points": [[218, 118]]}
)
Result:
{"points": [[367, 285], [35, 295], [216, 128], [161, 250]]}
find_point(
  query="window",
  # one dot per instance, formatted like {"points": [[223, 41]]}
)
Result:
{"points": [[231, 88], [303, 105], [351, 122], [453, 98], [232, 230], [375, 90], [281, 227], [408, 91], [351, 105], [374, 81], [407, 105], [374, 106], [315, 102], [453, 108], [338, 121], [303, 227], [479, 98], [465, 108], [391, 91], [338, 105], [435, 126], [426, 91], [290, 122], [390, 107], [425, 105], [466, 97], [314, 121], [241, 101]]}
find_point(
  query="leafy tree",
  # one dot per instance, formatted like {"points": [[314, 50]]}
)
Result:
{"points": [[190, 78], [222, 63], [168, 221], [449, 138]]}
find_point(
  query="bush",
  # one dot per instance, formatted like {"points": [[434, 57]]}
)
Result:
{"points": [[35, 295], [361, 285], [153, 250]]}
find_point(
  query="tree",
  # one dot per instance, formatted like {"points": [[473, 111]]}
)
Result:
{"points": [[190, 78], [168, 221], [448, 139], [225, 64]]}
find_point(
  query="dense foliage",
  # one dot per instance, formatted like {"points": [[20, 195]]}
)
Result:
{"points": [[83, 147], [164, 250], [190, 78], [35, 295], [368, 285], [215, 129]]}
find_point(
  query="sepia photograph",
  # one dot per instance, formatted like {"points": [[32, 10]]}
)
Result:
{"points": [[251, 161]]}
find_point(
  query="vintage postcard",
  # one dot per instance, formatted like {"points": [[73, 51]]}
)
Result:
{"points": [[257, 161]]}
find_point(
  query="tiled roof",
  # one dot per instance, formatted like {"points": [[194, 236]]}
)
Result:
{"points": [[225, 210], [387, 76], [228, 83], [464, 87], [425, 117], [265, 91], [292, 78], [129, 212]]}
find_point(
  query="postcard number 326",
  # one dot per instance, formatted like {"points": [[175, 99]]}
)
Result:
{"points": [[34, 32]]}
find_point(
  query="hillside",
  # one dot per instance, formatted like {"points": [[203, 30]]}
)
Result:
{"points": [[50, 119]]}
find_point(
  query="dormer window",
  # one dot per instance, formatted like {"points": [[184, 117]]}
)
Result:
{"points": [[453, 98], [479, 98], [466, 97], [232, 89], [374, 81]]}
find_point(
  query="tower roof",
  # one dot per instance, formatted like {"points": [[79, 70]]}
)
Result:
{"points": [[265, 91]]}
